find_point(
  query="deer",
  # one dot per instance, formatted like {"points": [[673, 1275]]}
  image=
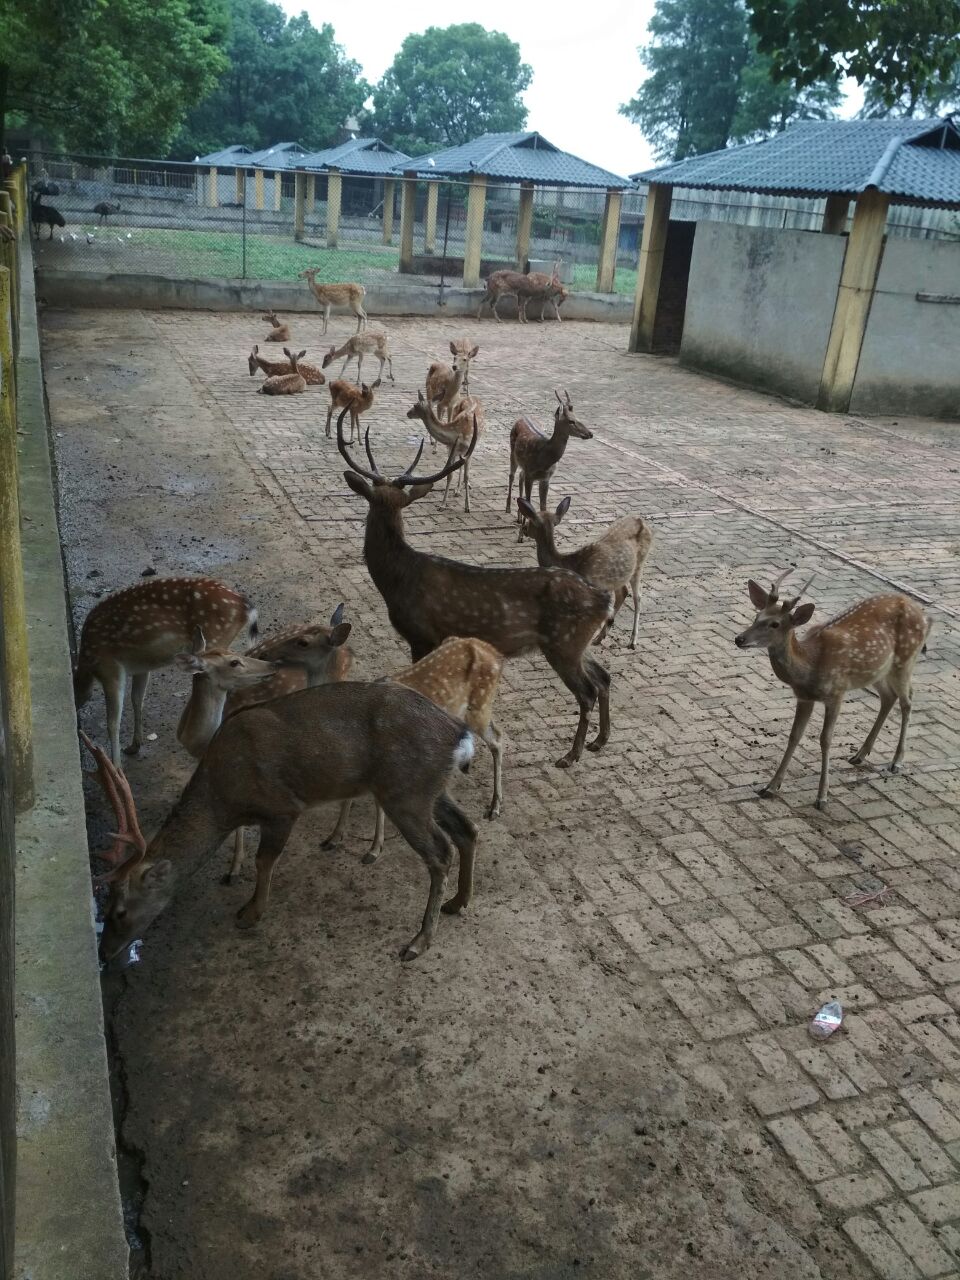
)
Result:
{"points": [[537, 455], [142, 628], [614, 561], [874, 643], [370, 342], [461, 676], [266, 765], [280, 332], [464, 353], [336, 295], [429, 597], [272, 368], [456, 434], [356, 400], [543, 288], [444, 381], [501, 284], [285, 384]]}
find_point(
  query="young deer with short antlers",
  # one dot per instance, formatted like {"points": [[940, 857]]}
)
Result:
{"points": [[537, 456], [516, 611], [875, 644]]}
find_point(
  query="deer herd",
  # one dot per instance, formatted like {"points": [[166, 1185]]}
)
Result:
{"points": [[285, 725]]}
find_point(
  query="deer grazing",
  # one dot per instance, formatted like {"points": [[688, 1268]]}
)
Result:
{"points": [[285, 384], [144, 627], [273, 368], [350, 296], [464, 352], [355, 400], [462, 677], [543, 289], [613, 561], [457, 434], [516, 611], [537, 455], [370, 342], [330, 743], [501, 284], [280, 332], [874, 644]]}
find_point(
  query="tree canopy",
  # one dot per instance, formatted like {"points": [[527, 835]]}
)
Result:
{"points": [[449, 84]]}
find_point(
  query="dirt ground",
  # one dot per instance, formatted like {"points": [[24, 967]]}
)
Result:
{"points": [[603, 1071]]}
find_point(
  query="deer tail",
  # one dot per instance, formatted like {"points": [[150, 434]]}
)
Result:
{"points": [[253, 622]]}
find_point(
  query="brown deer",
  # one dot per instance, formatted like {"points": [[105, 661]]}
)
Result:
{"points": [[429, 598], [614, 560], [285, 384], [874, 644], [356, 400], [370, 342], [537, 455], [350, 296], [142, 628], [502, 284], [464, 353], [309, 372], [280, 332], [444, 381], [266, 765], [462, 677], [457, 434], [543, 289]]}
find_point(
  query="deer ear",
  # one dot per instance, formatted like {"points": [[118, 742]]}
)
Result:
{"points": [[337, 616], [199, 640], [475, 351], [758, 596], [562, 509], [358, 485], [453, 348], [302, 354], [188, 662], [803, 614], [525, 509], [414, 492], [159, 877], [256, 347], [340, 634], [421, 398]]}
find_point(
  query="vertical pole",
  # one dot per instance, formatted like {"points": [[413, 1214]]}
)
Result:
{"points": [[430, 224], [299, 200], [655, 223], [474, 239], [609, 238], [408, 209], [258, 188], [213, 198], [835, 215], [388, 189], [524, 225], [277, 190], [334, 195], [241, 183], [311, 192]]}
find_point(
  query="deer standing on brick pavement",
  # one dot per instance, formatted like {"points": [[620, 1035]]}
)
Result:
{"points": [[370, 342], [355, 400], [457, 434], [144, 627], [350, 296], [613, 561], [874, 644], [543, 289], [429, 597], [537, 456], [309, 372], [280, 332], [285, 384], [444, 382], [464, 352]]}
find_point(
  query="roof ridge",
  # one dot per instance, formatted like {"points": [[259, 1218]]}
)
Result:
{"points": [[501, 146]]}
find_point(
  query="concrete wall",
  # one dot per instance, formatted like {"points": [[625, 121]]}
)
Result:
{"points": [[759, 305], [910, 359]]}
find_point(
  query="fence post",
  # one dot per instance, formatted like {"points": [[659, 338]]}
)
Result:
{"points": [[430, 225], [389, 187], [299, 199], [524, 224], [334, 188], [474, 239], [15, 654], [609, 237], [277, 190], [241, 179], [408, 209], [656, 221], [258, 188], [311, 192], [213, 196]]}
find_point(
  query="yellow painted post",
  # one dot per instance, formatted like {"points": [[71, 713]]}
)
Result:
{"points": [[277, 190], [473, 247], [311, 192], [388, 189], [835, 215], [430, 222], [857, 281], [15, 652], [334, 195], [8, 259], [213, 198], [609, 239], [524, 225], [241, 187], [258, 188], [652, 247], [408, 211], [299, 199]]}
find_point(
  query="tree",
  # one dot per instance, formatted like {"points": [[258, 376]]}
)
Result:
{"points": [[765, 106], [935, 99], [902, 48], [285, 81], [450, 84], [103, 75]]}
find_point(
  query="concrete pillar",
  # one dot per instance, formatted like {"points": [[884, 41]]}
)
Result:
{"points": [[857, 281], [258, 188], [408, 210], [609, 238], [474, 241], [655, 222], [213, 198], [430, 226], [241, 187], [299, 201], [835, 215], [311, 192], [277, 190], [524, 225], [334, 192], [388, 187]]}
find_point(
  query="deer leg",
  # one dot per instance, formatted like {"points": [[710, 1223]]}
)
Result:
{"points": [[494, 740], [236, 862], [114, 687], [601, 679], [619, 597], [336, 835], [585, 692], [326, 317], [375, 851], [446, 487], [513, 471], [801, 718], [138, 691], [329, 416], [455, 823], [636, 583], [544, 487], [274, 834], [493, 308], [425, 837], [906, 701], [466, 485], [830, 713], [526, 484], [887, 699]]}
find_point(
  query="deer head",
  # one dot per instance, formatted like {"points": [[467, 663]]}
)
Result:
{"points": [[227, 670], [403, 489], [252, 359], [329, 357], [308, 274], [542, 522], [776, 618], [312, 647], [294, 358], [565, 420]]}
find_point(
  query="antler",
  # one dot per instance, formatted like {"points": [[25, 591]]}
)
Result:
{"points": [[407, 478], [803, 590], [341, 445], [775, 589], [120, 796]]}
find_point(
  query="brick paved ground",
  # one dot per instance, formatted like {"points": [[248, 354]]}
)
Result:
{"points": [[646, 929]]}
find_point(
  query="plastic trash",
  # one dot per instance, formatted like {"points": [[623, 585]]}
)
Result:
{"points": [[826, 1020]]}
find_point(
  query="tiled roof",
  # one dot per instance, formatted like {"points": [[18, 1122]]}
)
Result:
{"points": [[912, 161], [282, 155], [228, 156], [515, 157], [359, 155]]}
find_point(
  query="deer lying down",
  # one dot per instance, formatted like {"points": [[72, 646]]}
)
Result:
{"points": [[309, 372], [285, 384]]}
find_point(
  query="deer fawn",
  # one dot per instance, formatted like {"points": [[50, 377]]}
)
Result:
{"points": [[444, 382], [355, 400], [461, 676], [370, 342], [516, 611], [464, 352], [144, 627], [537, 455], [466, 420], [264, 767], [874, 643], [272, 368], [350, 296], [285, 384], [614, 560], [280, 332]]}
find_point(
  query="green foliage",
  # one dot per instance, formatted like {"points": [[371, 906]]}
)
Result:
{"points": [[286, 81], [903, 48], [936, 99], [449, 84], [765, 106]]}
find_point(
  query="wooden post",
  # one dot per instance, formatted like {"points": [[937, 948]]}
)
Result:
{"points": [[430, 225], [857, 282], [524, 224], [388, 188], [311, 192], [609, 239], [408, 210], [241, 186], [213, 198], [15, 653], [258, 188], [334, 191], [299, 199], [835, 215], [655, 222], [277, 190], [474, 239]]}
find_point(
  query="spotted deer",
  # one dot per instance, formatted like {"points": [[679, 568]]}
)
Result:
{"points": [[285, 384], [350, 296], [370, 342], [309, 372], [543, 289], [501, 284], [537, 456], [280, 332], [874, 643], [464, 353], [457, 435], [355, 400], [444, 382]]}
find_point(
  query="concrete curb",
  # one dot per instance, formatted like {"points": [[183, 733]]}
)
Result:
{"points": [[69, 1218]]}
